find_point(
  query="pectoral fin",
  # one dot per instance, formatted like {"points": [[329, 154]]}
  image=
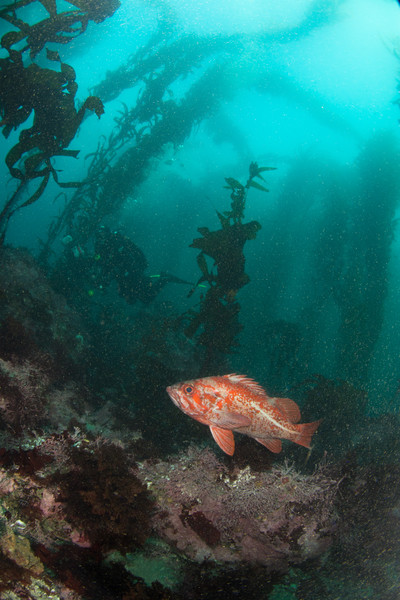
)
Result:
{"points": [[230, 420], [224, 439]]}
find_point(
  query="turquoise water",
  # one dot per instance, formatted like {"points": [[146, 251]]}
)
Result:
{"points": [[209, 187]]}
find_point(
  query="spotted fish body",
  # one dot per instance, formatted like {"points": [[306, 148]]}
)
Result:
{"points": [[236, 403]]}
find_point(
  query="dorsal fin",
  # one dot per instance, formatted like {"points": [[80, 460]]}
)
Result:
{"points": [[248, 382], [288, 408], [224, 439]]}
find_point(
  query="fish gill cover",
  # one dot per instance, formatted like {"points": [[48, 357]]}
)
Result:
{"points": [[138, 142]]}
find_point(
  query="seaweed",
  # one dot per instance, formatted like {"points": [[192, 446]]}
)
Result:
{"points": [[218, 314], [158, 116], [361, 290], [51, 96], [48, 93]]}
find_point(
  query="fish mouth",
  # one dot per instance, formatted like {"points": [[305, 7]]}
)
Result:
{"points": [[173, 394]]}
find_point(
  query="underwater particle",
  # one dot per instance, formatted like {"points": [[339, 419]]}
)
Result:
{"points": [[78, 251], [67, 239]]}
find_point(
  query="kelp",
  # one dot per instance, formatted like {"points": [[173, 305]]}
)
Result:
{"points": [[161, 62], [218, 314], [177, 81], [88, 10], [361, 290], [121, 161], [160, 114], [47, 93]]}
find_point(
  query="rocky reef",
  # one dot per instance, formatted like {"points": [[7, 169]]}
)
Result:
{"points": [[208, 511]]}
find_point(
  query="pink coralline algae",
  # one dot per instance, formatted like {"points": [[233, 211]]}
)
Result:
{"points": [[207, 511]]}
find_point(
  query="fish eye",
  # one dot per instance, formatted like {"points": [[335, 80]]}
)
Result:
{"points": [[188, 389]]}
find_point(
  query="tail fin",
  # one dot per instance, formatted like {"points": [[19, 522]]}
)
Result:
{"points": [[305, 433]]}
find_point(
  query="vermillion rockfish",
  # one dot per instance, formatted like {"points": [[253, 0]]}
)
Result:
{"points": [[237, 403]]}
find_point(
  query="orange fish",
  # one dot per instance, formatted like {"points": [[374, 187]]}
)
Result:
{"points": [[237, 403]]}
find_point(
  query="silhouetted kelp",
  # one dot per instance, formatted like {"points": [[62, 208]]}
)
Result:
{"points": [[219, 310], [159, 63], [121, 162], [327, 266], [49, 94], [352, 250], [159, 115], [361, 291]]}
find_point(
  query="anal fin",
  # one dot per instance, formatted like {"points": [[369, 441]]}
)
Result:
{"points": [[273, 444]]}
